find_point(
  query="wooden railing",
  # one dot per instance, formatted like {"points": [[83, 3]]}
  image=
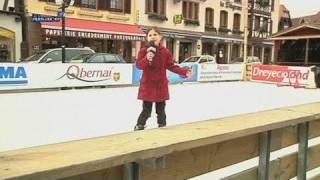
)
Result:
{"points": [[179, 152]]}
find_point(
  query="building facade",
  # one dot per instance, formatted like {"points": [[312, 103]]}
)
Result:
{"points": [[10, 32], [103, 25], [284, 18], [211, 27], [190, 27], [263, 21]]}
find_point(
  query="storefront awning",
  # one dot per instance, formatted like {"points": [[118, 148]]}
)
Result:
{"points": [[94, 29]]}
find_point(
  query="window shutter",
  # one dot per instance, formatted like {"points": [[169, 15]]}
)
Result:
{"points": [[107, 4], [147, 10], [127, 6], [77, 3]]}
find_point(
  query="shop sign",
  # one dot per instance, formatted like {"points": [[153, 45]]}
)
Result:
{"points": [[43, 18], [177, 19], [6, 33], [94, 35]]}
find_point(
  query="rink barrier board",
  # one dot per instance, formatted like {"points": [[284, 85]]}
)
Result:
{"points": [[282, 168], [316, 177], [14, 76], [189, 149]]}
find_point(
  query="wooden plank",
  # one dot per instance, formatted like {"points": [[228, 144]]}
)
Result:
{"points": [[283, 168], [115, 173], [280, 138], [289, 135], [205, 158], [317, 177], [296, 37], [79, 157]]}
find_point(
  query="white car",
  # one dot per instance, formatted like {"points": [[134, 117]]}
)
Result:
{"points": [[203, 59], [250, 60], [55, 55]]}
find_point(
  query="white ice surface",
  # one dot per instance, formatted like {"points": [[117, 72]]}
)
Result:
{"points": [[37, 118]]}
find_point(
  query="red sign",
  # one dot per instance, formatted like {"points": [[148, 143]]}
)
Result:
{"points": [[289, 75]]}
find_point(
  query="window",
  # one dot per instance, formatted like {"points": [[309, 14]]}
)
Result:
{"points": [[237, 1], [70, 53], [256, 23], [52, 56], [77, 3], [264, 26], [97, 59], [190, 10], [115, 5], [236, 21], [111, 59], [156, 7], [52, 1], [224, 19], [203, 60], [89, 3], [209, 17]]}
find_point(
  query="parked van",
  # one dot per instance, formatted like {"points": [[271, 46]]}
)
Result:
{"points": [[55, 55]]}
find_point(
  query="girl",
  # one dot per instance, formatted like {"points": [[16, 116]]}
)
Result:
{"points": [[154, 59]]}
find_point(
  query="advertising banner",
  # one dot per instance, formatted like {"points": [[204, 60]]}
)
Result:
{"points": [[172, 77], [281, 75], [220, 72], [26, 76]]}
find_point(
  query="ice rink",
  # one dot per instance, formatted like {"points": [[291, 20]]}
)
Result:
{"points": [[38, 118]]}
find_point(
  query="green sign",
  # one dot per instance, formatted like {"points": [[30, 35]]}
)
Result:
{"points": [[177, 19]]}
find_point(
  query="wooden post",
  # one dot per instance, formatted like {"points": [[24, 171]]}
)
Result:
{"points": [[306, 60]]}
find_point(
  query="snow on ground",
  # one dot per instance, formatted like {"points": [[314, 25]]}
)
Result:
{"points": [[37, 118]]}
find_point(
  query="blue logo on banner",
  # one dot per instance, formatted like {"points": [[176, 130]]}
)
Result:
{"points": [[173, 77], [12, 75]]}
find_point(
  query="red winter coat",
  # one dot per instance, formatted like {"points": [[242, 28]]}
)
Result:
{"points": [[154, 81]]}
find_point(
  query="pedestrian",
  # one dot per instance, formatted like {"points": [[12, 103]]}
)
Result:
{"points": [[154, 60]]}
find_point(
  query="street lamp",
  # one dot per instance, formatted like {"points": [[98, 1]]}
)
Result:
{"points": [[65, 4]]}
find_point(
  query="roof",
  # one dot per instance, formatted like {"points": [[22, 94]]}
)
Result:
{"points": [[312, 19], [298, 32]]}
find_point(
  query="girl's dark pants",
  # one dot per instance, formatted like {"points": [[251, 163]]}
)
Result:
{"points": [[146, 113]]}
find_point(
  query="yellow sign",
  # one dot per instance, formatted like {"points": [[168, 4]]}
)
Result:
{"points": [[6, 33], [177, 19]]}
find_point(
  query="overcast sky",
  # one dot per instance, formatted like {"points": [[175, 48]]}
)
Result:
{"points": [[299, 8]]}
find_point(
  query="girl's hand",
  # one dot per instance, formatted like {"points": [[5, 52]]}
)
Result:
{"points": [[189, 74], [150, 56]]}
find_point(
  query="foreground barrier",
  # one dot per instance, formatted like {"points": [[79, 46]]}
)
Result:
{"points": [[179, 152]]}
